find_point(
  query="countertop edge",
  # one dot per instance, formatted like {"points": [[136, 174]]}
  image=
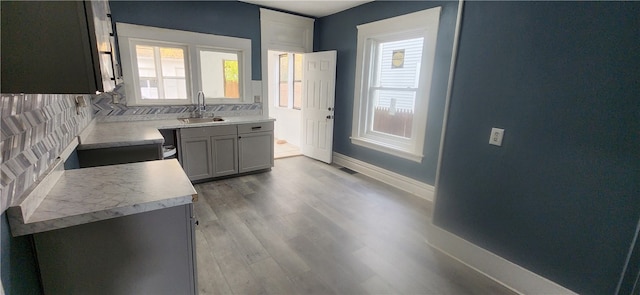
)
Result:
{"points": [[103, 145], [160, 125], [68, 221]]}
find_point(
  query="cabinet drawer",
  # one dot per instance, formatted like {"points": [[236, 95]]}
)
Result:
{"points": [[208, 131], [255, 127]]}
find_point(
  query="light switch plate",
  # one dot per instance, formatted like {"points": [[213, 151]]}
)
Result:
{"points": [[496, 136]]}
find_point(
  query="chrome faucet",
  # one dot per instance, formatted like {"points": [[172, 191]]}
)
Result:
{"points": [[201, 108]]}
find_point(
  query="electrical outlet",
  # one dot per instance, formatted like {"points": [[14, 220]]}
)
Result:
{"points": [[496, 136]]}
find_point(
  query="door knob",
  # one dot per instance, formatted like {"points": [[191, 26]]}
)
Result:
{"points": [[329, 117], [330, 109]]}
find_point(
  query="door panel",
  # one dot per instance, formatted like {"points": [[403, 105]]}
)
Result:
{"points": [[318, 103], [225, 159], [196, 157]]}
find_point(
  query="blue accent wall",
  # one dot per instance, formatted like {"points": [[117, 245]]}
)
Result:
{"points": [[339, 32], [226, 18], [17, 261], [561, 197]]}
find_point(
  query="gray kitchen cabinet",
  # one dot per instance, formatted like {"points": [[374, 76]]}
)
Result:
{"points": [[145, 253], [208, 152], [196, 157], [57, 47], [119, 155], [255, 146], [225, 155]]}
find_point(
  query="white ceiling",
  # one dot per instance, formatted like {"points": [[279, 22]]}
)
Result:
{"points": [[315, 8]]}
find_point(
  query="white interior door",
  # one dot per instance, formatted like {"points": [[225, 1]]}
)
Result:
{"points": [[319, 88]]}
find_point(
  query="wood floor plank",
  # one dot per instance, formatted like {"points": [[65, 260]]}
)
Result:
{"points": [[230, 260], [210, 277], [250, 247], [307, 227], [272, 277], [309, 283], [376, 285], [393, 274], [275, 245], [326, 267]]}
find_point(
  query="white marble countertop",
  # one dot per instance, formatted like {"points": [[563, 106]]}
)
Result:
{"points": [[91, 194], [128, 133]]}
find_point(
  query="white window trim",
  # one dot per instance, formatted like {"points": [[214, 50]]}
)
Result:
{"points": [[422, 24], [194, 42], [133, 42], [290, 82], [285, 32]]}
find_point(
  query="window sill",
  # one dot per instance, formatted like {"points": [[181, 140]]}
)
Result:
{"points": [[385, 148]]}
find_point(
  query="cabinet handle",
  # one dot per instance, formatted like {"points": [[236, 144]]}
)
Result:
{"points": [[256, 128], [239, 137]]}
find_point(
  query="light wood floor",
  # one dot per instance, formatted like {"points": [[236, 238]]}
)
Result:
{"points": [[285, 150], [309, 228]]}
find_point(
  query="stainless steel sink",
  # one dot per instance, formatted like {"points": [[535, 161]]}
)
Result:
{"points": [[201, 120]]}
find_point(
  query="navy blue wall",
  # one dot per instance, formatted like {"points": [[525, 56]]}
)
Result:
{"points": [[19, 267], [227, 18], [338, 32], [561, 197]]}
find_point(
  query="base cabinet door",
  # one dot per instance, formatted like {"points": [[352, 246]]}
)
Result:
{"points": [[145, 253], [255, 151], [225, 155], [196, 157]]}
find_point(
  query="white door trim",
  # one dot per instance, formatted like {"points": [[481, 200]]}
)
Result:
{"points": [[282, 32]]}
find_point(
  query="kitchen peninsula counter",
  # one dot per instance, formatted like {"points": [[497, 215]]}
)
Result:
{"points": [[92, 194]]}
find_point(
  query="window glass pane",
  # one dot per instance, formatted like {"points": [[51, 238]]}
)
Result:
{"points": [[297, 67], [297, 95], [149, 88], [172, 84], [145, 57], [220, 72], [231, 86], [172, 60], [175, 88], [283, 84], [297, 81], [173, 72], [399, 63], [393, 112]]}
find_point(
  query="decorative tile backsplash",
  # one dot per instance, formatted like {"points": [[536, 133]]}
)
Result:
{"points": [[35, 129], [106, 111]]}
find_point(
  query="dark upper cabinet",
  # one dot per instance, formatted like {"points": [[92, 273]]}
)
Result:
{"points": [[57, 47]]}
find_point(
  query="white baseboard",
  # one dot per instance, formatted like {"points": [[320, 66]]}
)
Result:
{"points": [[505, 272], [402, 182]]}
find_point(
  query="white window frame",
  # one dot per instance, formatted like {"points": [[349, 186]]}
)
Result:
{"points": [[136, 73], [424, 24], [290, 82], [129, 34]]}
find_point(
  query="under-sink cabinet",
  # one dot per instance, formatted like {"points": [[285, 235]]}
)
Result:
{"points": [[207, 152], [217, 151]]}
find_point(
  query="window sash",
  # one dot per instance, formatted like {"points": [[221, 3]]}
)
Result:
{"points": [[129, 34], [215, 90], [283, 80], [371, 36], [289, 84], [159, 77]]}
